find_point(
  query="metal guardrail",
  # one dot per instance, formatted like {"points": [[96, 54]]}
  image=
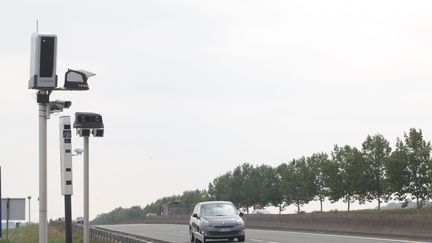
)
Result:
{"points": [[388, 225], [112, 236], [404, 226]]}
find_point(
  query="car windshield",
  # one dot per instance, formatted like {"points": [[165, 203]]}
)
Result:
{"points": [[261, 211], [218, 209]]}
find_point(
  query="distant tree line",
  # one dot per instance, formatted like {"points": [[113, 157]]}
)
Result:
{"points": [[118, 215], [372, 172]]}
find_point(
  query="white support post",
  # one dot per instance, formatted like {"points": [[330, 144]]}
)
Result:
{"points": [[43, 219], [86, 190]]}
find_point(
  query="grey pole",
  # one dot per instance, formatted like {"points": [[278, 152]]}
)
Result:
{"points": [[68, 218], [43, 221], [29, 197], [7, 220], [86, 190]]}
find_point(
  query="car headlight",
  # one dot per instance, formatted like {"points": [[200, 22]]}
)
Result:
{"points": [[205, 223], [240, 222]]}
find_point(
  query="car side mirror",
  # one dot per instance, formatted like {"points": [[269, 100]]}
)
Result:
{"points": [[241, 214], [195, 215]]}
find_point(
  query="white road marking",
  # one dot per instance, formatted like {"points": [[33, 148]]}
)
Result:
{"points": [[359, 237], [256, 240]]}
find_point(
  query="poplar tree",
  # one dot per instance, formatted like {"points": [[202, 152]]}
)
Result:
{"points": [[376, 151], [409, 168]]}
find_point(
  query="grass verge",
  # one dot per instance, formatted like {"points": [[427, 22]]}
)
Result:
{"points": [[30, 234]]}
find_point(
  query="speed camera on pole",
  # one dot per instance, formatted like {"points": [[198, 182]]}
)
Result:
{"points": [[66, 172], [87, 123], [43, 78], [66, 155]]}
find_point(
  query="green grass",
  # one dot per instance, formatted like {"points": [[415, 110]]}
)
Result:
{"points": [[30, 234]]}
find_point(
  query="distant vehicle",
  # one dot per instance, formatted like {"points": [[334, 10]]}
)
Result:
{"points": [[79, 220], [216, 220], [173, 208], [150, 214], [261, 211]]}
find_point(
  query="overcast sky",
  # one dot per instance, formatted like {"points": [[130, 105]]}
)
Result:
{"points": [[190, 89]]}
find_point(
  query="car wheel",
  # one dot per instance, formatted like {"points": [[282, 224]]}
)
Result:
{"points": [[241, 239], [191, 235]]}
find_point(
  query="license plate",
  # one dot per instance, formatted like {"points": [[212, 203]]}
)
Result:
{"points": [[224, 230]]}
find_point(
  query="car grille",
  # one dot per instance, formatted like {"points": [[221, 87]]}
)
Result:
{"points": [[223, 227], [229, 233]]}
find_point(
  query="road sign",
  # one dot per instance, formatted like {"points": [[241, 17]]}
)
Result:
{"points": [[16, 209]]}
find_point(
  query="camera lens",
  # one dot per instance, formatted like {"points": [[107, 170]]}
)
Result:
{"points": [[83, 118]]}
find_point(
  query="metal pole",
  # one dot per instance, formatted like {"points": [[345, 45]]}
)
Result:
{"points": [[29, 197], [1, 228], [7, 219], [86, 190], [43, 221], [68, 218]]}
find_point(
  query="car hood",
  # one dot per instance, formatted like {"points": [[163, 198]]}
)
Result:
{"points": [[222, 221]]}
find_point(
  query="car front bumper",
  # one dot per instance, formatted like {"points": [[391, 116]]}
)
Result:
{"points": [[221, 233]]}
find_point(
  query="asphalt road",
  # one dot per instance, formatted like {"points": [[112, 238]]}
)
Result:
{"points": [[179, 234]]}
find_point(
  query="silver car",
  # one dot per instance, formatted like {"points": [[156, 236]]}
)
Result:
{"points": [[216, 220]]}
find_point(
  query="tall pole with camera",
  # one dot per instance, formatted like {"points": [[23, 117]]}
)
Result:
{"points": [[86, 123], [66, 172], [43, 77]]}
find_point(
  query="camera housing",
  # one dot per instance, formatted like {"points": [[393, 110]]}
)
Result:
{"points": [[89, 122], [43, 62], [59, 105], [77, 79]]}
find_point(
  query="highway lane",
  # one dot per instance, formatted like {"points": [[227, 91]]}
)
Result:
{"points": [[179, 234]]}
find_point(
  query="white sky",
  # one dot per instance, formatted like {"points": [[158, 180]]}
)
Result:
{"points": [[190, 89]]}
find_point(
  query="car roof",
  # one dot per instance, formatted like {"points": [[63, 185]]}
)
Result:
{"points": [[213, 202]]}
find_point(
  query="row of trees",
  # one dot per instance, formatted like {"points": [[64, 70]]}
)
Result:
{"points": [[119, 215], [374, 172]]}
